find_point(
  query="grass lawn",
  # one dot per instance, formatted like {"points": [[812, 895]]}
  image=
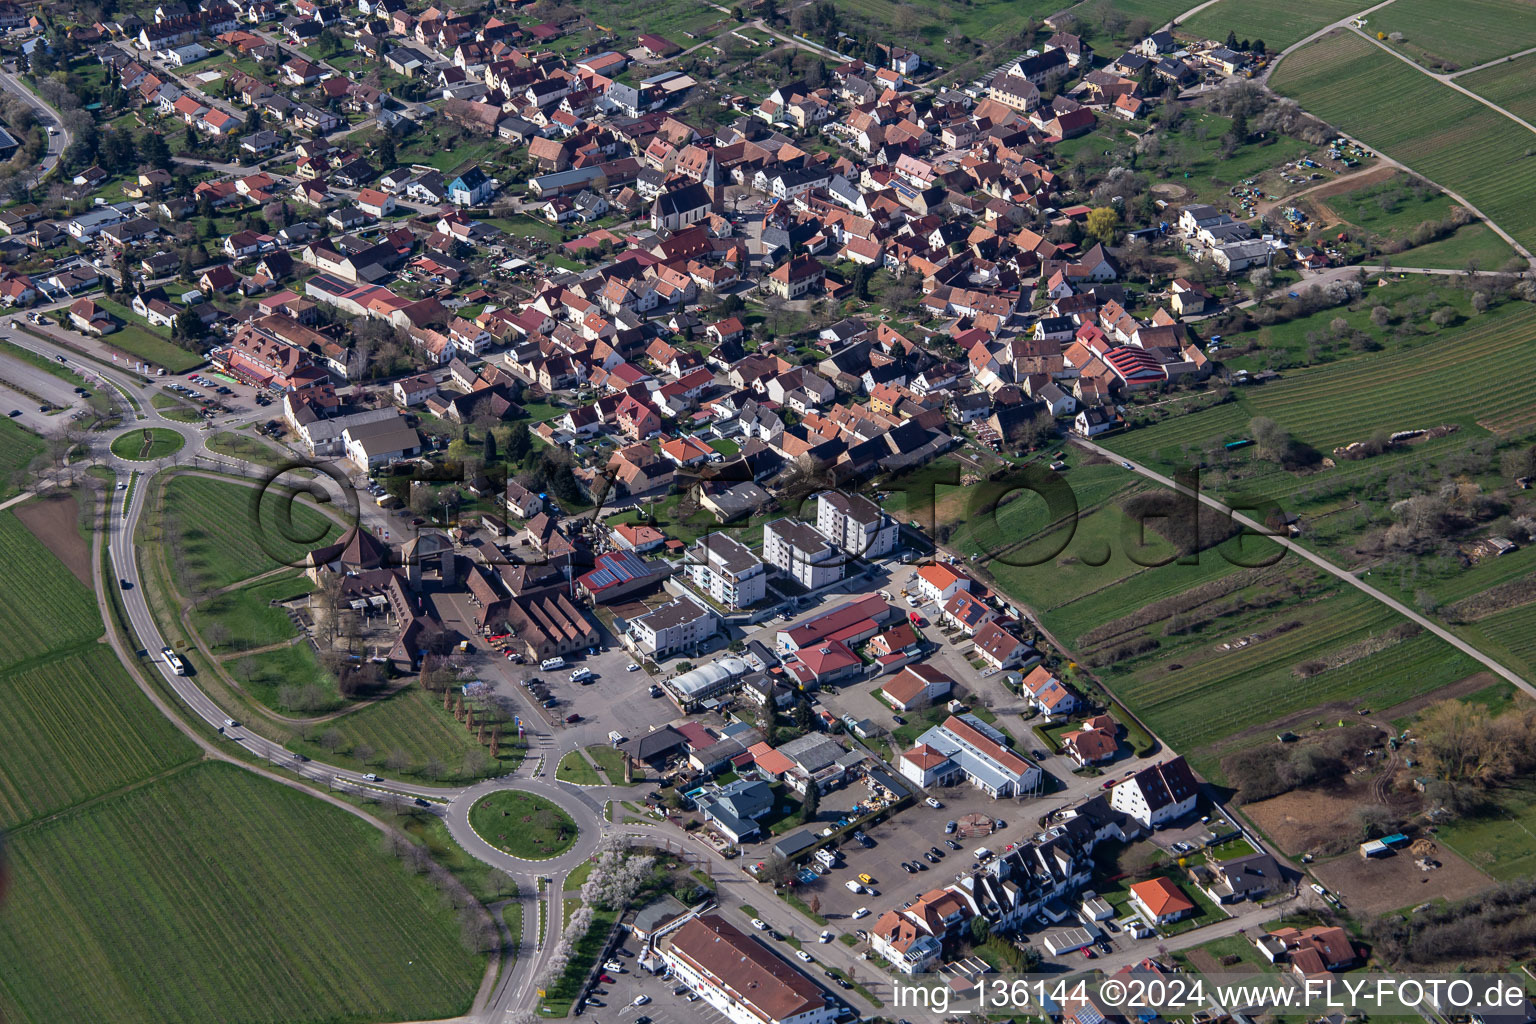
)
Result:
{"points": [[557, 1001], [1444, 135], [523, 825], [1206, 172], [1234, 946], [184, 900], [17, 448], [538, 227], [1501, 838], [484, 882], [175, 409], [411, 727], [146, 444], [1233, 848], [611, 761], [222, 535], [1278, 27], [1474, 242], [267, 675], [247, 449], [138, 339], [725, 446], [573, 768], [238, 620]]}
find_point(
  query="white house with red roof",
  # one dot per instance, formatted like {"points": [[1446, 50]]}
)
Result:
{"points": [[1161, 901], [974, 750], [998, 647], [916, 686], [1047, 693], [939, 582]]}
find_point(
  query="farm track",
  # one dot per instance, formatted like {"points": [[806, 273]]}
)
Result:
{"points": [[1346, 81]]}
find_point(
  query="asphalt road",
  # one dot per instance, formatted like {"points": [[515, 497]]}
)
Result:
{"points": [[47, 116]]}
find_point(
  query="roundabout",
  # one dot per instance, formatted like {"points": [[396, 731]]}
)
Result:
{"points": [[522, 825], [146, 444]]}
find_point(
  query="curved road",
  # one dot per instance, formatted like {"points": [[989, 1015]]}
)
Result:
{"points": [[514, 990], [47, 115]]}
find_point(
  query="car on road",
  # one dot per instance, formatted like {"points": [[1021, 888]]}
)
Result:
{"points": [[371, 777], [423, 803], [759, 924], [124, 584], [804, 956], [1127, 465], [825, 937], [861, 912], [15, 412]]}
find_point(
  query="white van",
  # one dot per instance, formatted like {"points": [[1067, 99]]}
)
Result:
{"points": [[581, 675], [853, 886], [552, 663]]}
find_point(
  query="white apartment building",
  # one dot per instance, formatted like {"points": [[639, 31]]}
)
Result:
{"points": [[802, 552], [855, 524], [726, 569], [673, 628]]}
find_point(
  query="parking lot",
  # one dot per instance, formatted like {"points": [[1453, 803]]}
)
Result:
{"points": [[905, 837]]}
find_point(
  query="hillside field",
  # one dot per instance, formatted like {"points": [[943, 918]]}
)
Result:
{"points": [[1450, 138]]}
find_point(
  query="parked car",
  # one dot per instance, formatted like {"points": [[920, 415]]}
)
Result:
{"points": [[931, 802]]}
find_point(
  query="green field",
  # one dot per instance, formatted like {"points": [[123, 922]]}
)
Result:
{"points": [[247, 449], [1501, 839], [1451, 139], [44, 608], [523, 825], [573, 768], [1277, 25], [191, 900], [141, 341], [1508, 84], [1218, 693], [1323, 405], [1509, 636], [224, 537], [1471, 243], [1391, 209], [17, 448], [175, 409], [74, 727], [1463, 34], [414, 724], [146, 444], [611, 761], [238, 620], [265, 674]]}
